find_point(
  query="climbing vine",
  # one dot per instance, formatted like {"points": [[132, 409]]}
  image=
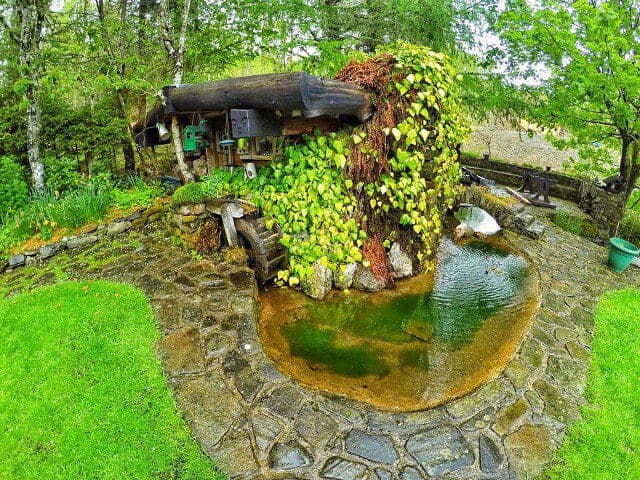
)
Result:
{"points": [[345, 197]]}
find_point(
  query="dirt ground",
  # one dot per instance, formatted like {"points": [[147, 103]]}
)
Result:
{"points": [[507, 144]]}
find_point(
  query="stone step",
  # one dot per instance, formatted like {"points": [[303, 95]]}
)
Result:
{"points": [[535, 230]]}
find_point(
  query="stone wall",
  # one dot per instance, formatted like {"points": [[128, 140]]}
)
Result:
{"points": [[567, 188], [506, 210], [604, 207], [136, 220]]}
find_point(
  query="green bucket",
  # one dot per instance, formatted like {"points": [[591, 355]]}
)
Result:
{"points": [[621, 253]]}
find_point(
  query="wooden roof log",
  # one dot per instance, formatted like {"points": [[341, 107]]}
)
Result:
{"points": [[285, 92]]}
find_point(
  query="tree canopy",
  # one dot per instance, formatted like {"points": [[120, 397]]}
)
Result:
{"points": [[584, 55]]}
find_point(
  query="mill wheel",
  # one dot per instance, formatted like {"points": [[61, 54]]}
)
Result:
{"points": [[266, 254]]}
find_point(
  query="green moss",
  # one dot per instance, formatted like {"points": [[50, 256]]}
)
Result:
{"points": [[319, 346], [605, 443], [83, 394], [187, 194]]}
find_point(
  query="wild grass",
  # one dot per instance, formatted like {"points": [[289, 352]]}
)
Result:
{"points": [[605, 444], [82, 394], [88, 203]]}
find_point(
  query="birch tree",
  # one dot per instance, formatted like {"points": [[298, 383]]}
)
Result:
{"points": [[176, 54], [26, 29]]}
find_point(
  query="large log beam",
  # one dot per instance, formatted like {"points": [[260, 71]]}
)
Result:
{"points": [[285, 92]]}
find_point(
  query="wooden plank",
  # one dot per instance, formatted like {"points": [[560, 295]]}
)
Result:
{"points": [[519, 197]]}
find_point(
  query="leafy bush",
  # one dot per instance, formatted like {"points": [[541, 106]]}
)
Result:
{"points": [[62, 173], [14, 192], [136, 193], [575, 224], [570, 223], [630, 226]]}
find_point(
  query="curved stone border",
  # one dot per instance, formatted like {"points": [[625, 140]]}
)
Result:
{"points": [[257, 424], [136, 220]]}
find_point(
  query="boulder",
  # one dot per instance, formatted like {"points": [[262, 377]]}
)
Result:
{"points": [[50, 250], [462, 231], [17, 261], [364, 279], [400, 261], [343, 278], [318, 285]]}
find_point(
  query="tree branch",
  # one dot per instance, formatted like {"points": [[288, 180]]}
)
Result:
{"points": [[14, 36]]}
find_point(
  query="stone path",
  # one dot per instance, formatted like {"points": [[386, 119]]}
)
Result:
{"points": [[255, 423]]}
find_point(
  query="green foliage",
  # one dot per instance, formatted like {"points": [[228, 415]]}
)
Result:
{"points": [[83, 393], [136, 193], [62, 173], [589, 50], [14, 191], [424, 172], [186, 194], [630, 226], [604, 443], [309, 197]]}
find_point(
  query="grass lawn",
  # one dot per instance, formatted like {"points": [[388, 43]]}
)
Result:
{"points": [[81, 393], [605, 444]]}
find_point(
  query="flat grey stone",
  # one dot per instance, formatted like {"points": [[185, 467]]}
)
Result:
{"points": [[289, 456], [17, 261], [376, 448], [82, 241], [47, 251], [283, 401], [440, 450], [315, 427], [265, 431], [383, 474], [535, 230], [116, 228], [490, 455], [342, 469], [410, 473]]}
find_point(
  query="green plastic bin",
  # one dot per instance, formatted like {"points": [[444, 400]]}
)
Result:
{"points": [[621, 253]]}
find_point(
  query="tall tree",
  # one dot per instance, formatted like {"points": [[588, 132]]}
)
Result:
{"points": [[176, 51], [589, 52], [26, 29]]}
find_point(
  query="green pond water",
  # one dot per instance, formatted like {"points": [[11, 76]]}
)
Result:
{"points": [[411, 331]]}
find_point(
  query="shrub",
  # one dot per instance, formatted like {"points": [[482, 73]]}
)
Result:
{"points": [[136, 193], [630, 226], [186, 194], [14, 192], [62, 173]]}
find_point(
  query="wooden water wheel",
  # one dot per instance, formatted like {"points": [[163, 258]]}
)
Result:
{"points": [[266, 254]]}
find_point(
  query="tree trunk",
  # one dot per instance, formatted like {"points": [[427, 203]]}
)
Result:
{"points": [[177, 55], [31, 14], [33, 139], [629, 164], [177, 143]]}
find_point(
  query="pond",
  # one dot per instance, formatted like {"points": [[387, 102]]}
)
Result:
{"points": [[432, 338]]}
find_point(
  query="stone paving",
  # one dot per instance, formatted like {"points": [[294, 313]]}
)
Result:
{"points": [[257, 424]]}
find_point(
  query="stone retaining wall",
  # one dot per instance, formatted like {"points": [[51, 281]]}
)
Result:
{"points": [[136, 220], [603, 206], [509, 214]]}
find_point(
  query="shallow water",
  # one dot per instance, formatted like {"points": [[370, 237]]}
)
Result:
{"points": [[431, 339]]}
